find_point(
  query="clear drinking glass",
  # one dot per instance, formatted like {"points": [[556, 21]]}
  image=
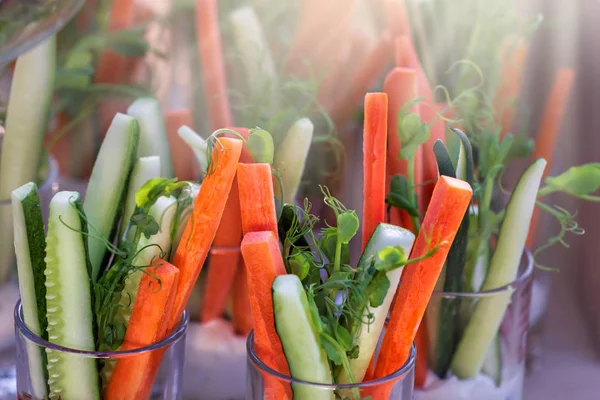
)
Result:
{"points": [[502, 375], [166, 385], [396, 386]]}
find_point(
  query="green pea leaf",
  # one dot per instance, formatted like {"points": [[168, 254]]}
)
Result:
{"points": [[412, 134], [377, 289], [332, 352], [343, 337], [145, 223], [299, 264], [260, 144], [391, 258], [347, 226], [580, 181]]}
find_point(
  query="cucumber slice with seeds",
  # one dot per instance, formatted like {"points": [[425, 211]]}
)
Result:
{"points": [[300, 340], [29, 248], [69, 301], [108, 185]]}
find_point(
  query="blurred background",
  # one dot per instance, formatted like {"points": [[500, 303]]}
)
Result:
{"points": [[108, 55]]}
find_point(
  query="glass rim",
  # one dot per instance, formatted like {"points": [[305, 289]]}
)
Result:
{"points": [[48, 181], [173, 337], [396, 375], [521, 278]]}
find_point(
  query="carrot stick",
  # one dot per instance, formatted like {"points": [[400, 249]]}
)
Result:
{"points": [[201, 229], [263, 263], [396, 17], [406, 56], [184, 162], [512, 62], [374, 164], [213, 68], [257, 199], [369, 70], [246, 156], [132, 377], [549, 128], [224, 258], [112, 67], [448, 205], [223, 262], [242, 314], [400, 86], [421, 362]]}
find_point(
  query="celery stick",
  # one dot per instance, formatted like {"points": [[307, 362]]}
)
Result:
{"points": [[254, 49], [504, 266], [26, 121], [198, 145], [290, 157], [153, 135]]}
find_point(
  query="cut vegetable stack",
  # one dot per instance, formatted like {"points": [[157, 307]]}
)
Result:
{"points": [[95, 284]]}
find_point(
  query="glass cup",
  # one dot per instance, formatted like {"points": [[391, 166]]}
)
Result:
{"points": [[396, 386], [166, 384], [503, 372]]}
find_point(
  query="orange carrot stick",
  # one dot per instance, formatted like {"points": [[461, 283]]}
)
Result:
{"points": [[400, 86], [222, 266], [512, 61], [549, 128], [257, 201], [133, 376], [406, 56], [374, 153], [263, 263], [112, 67], [369, 70], [242, 314], [184, 162], [224, 258], [396, 17], [201, 230], [213, 68], [246, 156], [421, 363], [448, 205]]}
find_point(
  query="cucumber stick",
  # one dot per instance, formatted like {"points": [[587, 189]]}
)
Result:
{"points": [[492, 364], [198, 145], [157, 246], [385, 235], [108, 183], [300, 338], [26, 120], [145, 168], [290, 157], [504, 266], [185, 206], [29, 248], [69, 302], [153, 134]]}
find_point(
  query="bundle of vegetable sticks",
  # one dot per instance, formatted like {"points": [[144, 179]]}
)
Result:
{"points": [[417, 154]]}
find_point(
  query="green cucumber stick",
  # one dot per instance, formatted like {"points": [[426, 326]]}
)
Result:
{"points": [[504, 267], [255, 53], [30, 251], [198, 145], [153, 134], [26, 122], [384, 236], [108, 185], [291, 155]]}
